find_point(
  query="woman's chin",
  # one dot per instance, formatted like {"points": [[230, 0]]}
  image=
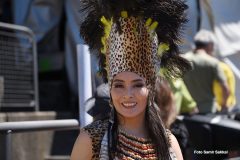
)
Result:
{"points": [[130, 113]]}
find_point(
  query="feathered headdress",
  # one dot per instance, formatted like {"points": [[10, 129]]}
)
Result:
{"points": [[135, 35]]}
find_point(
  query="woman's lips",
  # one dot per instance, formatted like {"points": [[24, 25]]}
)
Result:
{"points": [[129, 104]]}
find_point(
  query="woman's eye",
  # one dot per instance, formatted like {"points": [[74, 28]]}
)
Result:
{"points": [[139, 85], [118, 86]]}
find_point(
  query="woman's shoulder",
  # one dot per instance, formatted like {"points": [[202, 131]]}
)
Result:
{"points": [[96, 127], [82, 149], [88, 143], [96, 131]]}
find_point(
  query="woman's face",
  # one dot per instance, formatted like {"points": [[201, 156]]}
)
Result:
{"points": [[129, 94]]}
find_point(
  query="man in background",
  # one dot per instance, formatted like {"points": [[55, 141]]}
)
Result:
{"points": [[206, 69]]}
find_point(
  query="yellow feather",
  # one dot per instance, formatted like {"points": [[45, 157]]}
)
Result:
{"points": [[124, 14], [148, 22], [104, 21], [107, 28], [165, 46], [162, 72], [162, 48], [153, 26]]}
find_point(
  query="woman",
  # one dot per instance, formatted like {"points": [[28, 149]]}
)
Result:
{"points": [[129, 95], [132, 37]]}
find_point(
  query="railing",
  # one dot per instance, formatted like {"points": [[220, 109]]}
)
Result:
{"points": [[28, 126]]}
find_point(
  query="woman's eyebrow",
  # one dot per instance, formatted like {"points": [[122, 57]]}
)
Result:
{"points": [[118, 80], [137, 80], [133, 81]]}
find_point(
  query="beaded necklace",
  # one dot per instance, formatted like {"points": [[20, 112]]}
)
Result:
{"points": [[132, 147]]}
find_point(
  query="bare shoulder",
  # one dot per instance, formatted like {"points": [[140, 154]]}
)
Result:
{"points": [[175, 146], [82, 149]]}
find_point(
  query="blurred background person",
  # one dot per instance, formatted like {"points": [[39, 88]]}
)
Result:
{"points": [[184, 102], [165, 100], [206, 69]]}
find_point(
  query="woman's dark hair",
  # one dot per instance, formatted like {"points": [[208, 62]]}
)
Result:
{"points": [[157, 131], [112, 134]]}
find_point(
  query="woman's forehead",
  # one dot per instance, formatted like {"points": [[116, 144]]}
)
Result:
{"points": [[128, 76]]}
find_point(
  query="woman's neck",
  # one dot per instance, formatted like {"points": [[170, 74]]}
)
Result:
{"points": [[134, 126]]}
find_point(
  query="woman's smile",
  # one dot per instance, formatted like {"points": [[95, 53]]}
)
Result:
{"points": [[129, 105]]}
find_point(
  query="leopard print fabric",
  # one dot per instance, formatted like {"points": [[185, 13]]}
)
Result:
{"points": [[96, 131], [133, 49]]}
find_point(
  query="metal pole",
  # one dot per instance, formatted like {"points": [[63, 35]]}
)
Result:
{"points": [[35, 71], [8, 145], [25, 126], [84, 82]]}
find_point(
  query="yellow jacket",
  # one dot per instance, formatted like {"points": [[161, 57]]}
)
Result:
{"points": [[231, 100]]}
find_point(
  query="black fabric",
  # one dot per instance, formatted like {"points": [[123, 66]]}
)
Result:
{"points": [[98, 105], [100, 108]]}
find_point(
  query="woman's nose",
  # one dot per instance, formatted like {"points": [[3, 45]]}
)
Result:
{"points": [[128, 93]]}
